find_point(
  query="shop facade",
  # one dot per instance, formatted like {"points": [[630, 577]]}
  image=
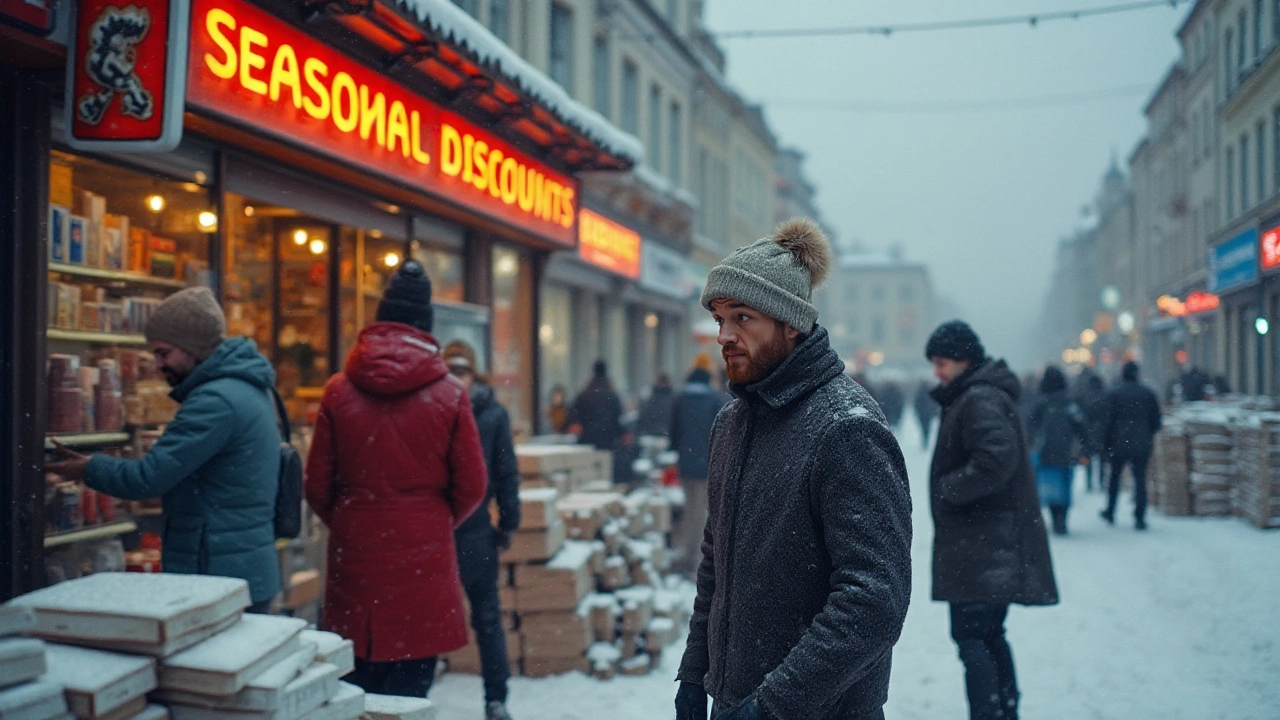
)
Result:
{"points": [[321, 148], [1233, 276]]}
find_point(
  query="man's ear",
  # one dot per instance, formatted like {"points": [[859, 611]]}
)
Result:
{"points": [[793, 334]]}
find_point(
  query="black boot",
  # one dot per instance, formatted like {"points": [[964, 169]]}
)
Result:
{"points": [[1059, 514], [1109, 515]]}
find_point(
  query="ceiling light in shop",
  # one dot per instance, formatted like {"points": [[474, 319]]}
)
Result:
{"points": [[155, 203], [191, 187], [299, 237], [248, 211], [651, 320], [375, 234], [506, 265], [200, 177], [392, 259], [207, 220], [318, 246]]}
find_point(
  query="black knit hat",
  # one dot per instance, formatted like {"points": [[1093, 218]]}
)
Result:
{"points": [[407, 298], [955, 340]]}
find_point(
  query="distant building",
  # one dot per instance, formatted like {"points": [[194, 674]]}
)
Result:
{"points": [[878, 309]]}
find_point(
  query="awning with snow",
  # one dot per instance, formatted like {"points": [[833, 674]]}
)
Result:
{"points": [[458, 53]]}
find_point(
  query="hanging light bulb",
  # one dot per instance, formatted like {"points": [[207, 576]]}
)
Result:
{"points": [[299, 237], [392, 259], [318, 246], [155, 203], [207, 220]]}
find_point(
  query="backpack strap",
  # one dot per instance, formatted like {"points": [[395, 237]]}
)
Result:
{"points": [[282, 416]]}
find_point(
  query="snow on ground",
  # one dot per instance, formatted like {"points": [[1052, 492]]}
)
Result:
{"points": [[1181, 622]]}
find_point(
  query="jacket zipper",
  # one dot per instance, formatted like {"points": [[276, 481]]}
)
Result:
{"points": [[740, 464]]}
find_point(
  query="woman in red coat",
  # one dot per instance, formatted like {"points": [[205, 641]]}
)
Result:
{"points": [[395, 466]]}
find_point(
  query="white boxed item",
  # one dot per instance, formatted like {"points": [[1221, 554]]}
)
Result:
{"points": [[225, 663], [348, 704], [98, 682], [299, 696], [134, 608], [15, 620], [333, 649], [153, 712], [21, 660], [128, 711], [171, 646], [40, 700], [389, 707]]}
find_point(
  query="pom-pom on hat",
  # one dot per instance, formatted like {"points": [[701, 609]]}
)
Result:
{"points": [[776, 275]]}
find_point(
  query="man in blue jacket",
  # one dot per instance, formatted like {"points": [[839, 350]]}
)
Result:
{"points": [[217, 464]]}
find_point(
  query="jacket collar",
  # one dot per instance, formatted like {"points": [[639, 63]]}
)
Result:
{"points": [[988, 372], [812, 364]]}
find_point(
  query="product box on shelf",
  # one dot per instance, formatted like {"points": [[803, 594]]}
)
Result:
{"points": [[164, 260], [76, 239], [61, 184], [115, 234], [93, 208], [139, 249], [59, 233]]}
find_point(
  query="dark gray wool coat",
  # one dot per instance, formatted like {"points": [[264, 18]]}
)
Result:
{"points": [[989, 542], [806, 571]]}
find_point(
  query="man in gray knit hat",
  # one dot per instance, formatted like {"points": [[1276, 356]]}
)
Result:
{"points": [[806, 569], [217, 464]]}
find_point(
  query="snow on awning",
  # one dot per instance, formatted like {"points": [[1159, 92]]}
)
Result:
{"points": [[465, 33]]}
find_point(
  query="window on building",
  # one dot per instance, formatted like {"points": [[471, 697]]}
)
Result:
{"points": [[471, 7], [500, 19], [1244, 173], [560, 63], [654, 151], [1229, 165], [630, 97], [601, 76], [1227, 58], [675, 141], [1257, 30], [1260, 139], [1275, 146], [1242, 47]]}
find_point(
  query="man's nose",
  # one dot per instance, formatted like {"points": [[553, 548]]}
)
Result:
{"points": [[727, 335]]}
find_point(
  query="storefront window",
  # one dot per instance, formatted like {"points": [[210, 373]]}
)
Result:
{"points": [[513, 343], [446, 270], [368, 260], [555, 340], [619, 348]]}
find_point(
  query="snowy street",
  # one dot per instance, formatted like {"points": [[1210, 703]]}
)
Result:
{"points": [[1179, 623]]}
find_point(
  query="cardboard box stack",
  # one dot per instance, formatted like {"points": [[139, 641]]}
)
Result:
{"points": [[187, 642], [1171, 472], [26, 691], [1256, 495], [582, 586], [1213, 469]]}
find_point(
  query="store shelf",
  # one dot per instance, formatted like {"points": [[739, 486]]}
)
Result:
{"points": [[97, 532], [88, 440], [97, 338], [115, 275]]}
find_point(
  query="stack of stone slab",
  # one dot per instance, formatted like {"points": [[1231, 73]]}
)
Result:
{"points": [[1213, 469], [187, 641], [1256, 495], [26, 691], [1171, 471], [566, 468]]}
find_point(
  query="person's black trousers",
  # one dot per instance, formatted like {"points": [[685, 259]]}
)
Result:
{"points": [[717, 708], [989, 678], [478, 565], [1139, 464], [406, 678]]}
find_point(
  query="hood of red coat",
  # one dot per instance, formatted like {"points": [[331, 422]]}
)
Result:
{"points": [[392, 358]]}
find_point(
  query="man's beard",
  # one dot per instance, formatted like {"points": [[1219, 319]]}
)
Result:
{"points": [[761, 363], [173, 378]]}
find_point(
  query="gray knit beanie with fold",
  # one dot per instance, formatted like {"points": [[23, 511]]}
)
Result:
{"points": [[776, 275]]}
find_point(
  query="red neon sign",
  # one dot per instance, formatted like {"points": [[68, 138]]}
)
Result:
{"points": [[1199, 302], [606, 244], [1270, 249], [252, 67]]}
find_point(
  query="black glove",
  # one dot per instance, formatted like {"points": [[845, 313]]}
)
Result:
{"points": [[748, 709], [691, 702], [504, 539]]}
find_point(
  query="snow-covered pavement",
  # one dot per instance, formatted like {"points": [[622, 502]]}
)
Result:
{"points": [[1181, 622]]}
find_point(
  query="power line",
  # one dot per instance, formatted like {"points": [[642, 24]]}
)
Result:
{"points": [[1033, 20], [938, 107]]}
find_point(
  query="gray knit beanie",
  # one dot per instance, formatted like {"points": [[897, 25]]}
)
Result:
{"points": [[189, 319], [776, 275]]}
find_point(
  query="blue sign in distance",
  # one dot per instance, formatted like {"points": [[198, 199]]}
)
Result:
{"points": [[1234, 263]]}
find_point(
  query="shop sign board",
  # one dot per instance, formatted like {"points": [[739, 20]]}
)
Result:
{"points": [[1234, 263], [608, 245], [1269, 250], [254, 68], [35, 16], [126, 75], [664, 271]]}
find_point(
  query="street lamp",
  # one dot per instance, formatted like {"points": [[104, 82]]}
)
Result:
{"points": [[1262, 326]]}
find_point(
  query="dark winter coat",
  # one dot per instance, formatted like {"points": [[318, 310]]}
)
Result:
{"points": [[216, 467], [1058, 427], [599, 411], [989, 542], [655, 414], [1094, 405], [395, 466], [806, 570], [925, 406], [494, 425], [692, 418], [1133, 417]]}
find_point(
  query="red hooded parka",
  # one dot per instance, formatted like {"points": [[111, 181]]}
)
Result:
{"points": [[395, 465]]}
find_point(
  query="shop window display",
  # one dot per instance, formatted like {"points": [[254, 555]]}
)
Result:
{"points": [[513, 342], [119, 241]]}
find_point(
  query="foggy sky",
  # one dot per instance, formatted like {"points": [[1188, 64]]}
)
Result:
{"points": [[982, 197]]}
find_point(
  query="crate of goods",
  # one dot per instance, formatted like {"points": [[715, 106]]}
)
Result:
{"points": [[555, 642], [538, 508], [559, 584], [535, 545], [1213, 468], [1256, 496], [1171, 486]]}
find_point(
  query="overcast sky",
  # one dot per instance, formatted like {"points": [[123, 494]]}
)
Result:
{"points": [[982, 197]]}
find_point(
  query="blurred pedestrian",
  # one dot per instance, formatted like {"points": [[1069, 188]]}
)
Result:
{"points": [[597, 413], [217, 464], [692, 418], [1058, 429], [926, 412], [395, 467], [990, 548], [1092, 398], [477, 540], [558, 411], [655, 413], [1133, 418], [800, 597], [893, 402]]}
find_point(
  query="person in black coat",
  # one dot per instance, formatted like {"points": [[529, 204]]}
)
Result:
{"points": [[596, 418], [692, 417], [1133, 418], [477, 540], [1092, 397], [926, 412], [655, 413], [1057, 424], [990, 548], [892, 402]]}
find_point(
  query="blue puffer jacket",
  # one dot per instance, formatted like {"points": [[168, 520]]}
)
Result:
{"points": [[216, 467]]}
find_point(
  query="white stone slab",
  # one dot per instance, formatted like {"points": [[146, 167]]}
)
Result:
{"points": [[348, 704], [333, 649], [99, 682], [390, 707], [38, 700], [225, 663], [301, 695], [21, 660], [15, 619]]}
